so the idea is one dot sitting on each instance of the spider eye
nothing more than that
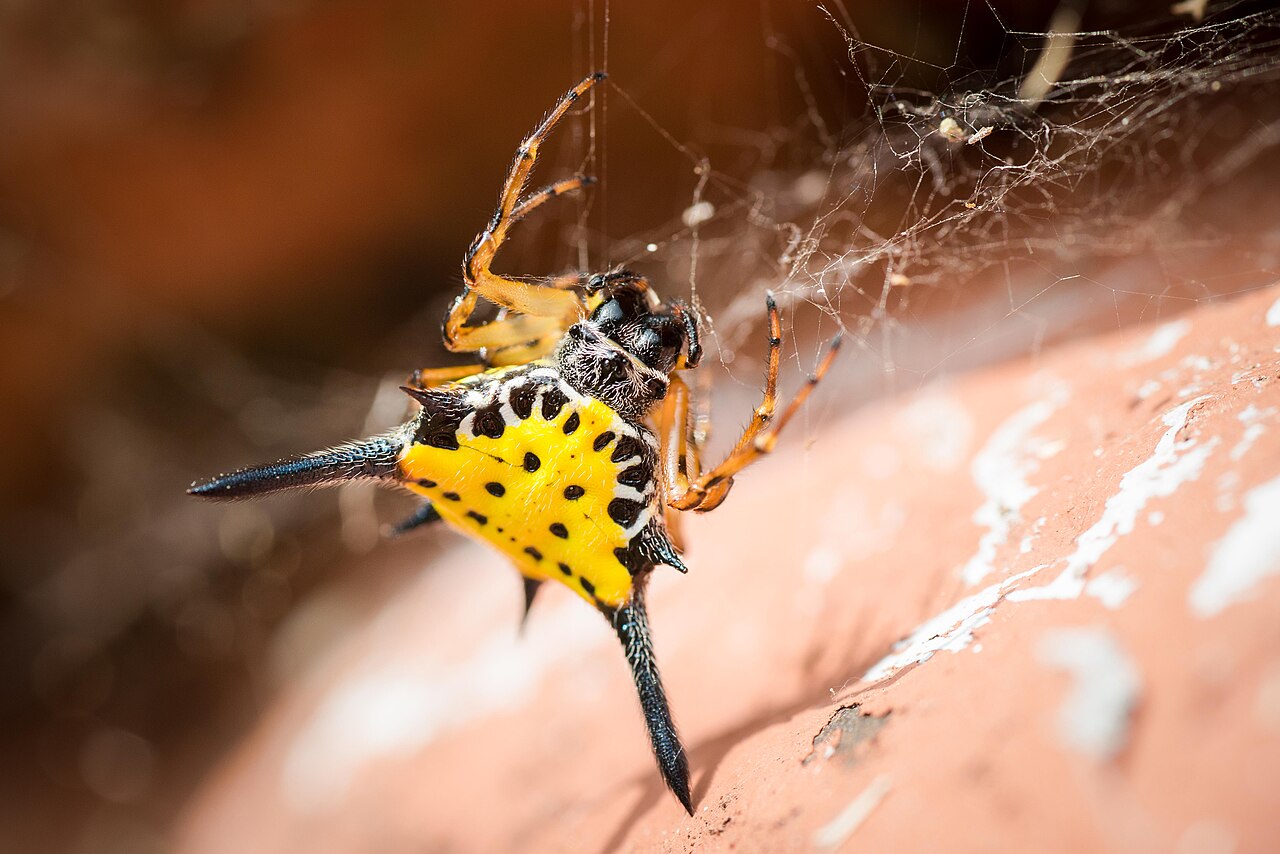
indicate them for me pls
(609, 312)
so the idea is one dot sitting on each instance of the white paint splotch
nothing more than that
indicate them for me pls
(1001, 471)
(1248, 553)
(1097, 712)
(1171, 464)
(951, 630)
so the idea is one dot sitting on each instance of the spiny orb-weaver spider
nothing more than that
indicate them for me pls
(568, 444)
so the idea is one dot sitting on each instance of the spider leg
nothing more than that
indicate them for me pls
(511, 331)
(561, 307)
(531, 201)
(706, 491)
(431, 377)
(677, 453)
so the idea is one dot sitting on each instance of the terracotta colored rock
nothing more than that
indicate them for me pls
(1035, 609)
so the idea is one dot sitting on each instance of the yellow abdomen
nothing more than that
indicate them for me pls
(553, 479)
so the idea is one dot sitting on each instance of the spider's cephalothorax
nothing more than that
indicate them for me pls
(568, 446)
(624, 353)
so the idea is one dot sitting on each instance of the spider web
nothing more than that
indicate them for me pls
(1002, 208)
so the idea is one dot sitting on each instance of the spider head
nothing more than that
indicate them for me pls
(630, 314)
(626, 349)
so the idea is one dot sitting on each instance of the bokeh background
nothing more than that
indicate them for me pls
(229, 228)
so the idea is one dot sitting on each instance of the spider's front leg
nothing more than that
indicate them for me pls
(543, 313)
(689, 490)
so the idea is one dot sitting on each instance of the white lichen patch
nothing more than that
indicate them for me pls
(395, 703)
(1248, 553)
(1095, 717)
(1160, 343)
(1001, 471)
(1171, 464)
(849, 819)
(1273, 313)
(1255, 421)
(1112, 588)
(939, 429)
(854, 528)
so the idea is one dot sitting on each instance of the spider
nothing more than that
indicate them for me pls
(568, 443)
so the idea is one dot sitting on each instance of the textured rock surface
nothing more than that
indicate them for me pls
(1050, 590)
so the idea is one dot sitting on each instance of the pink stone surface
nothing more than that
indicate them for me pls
(1057, 582)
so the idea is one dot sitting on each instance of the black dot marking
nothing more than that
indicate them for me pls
(571, 423)
(500, 530)
(635, 476)
(628, 447)
(564, 567)
(533, 553)
(624, 511)
(553, 400)
(495, 489)
(521, 399)
(452, 496)
(480, 518)
(559, 530)
(489, 423)
(425, 484)
(588, 586)
(531, 462)
(603, 440)
(573, 492)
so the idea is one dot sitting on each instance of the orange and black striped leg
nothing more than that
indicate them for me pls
(432, 377)
(520, 330)
(707, 491)
(560, 188)
(563, 306)
(677, 453)
(524, 350)
(631, 623)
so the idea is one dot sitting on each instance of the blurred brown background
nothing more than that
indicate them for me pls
(228, 228)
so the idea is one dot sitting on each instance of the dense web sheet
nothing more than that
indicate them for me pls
(1077, 177)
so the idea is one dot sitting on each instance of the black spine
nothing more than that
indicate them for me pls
(426, 514)
(370, 459)
(631, 622)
